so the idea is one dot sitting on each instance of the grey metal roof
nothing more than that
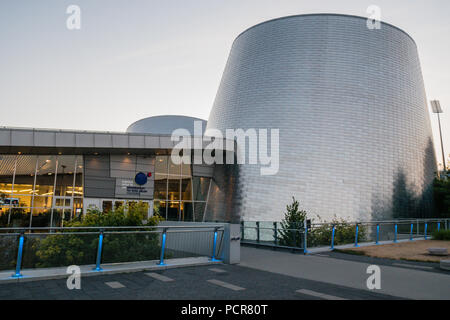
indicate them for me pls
(165, 124)
(31, 140)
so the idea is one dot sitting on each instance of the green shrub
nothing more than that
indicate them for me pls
(292, 226)
(344, 233)
(441, 235)
(63, 250)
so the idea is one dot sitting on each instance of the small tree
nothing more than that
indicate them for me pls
(292, 226)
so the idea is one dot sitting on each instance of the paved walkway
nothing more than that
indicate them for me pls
(399, 281)
(224, 282)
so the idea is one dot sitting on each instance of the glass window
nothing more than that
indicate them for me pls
(7, 163)
(186, 189)
(24, 178)
(77, 207)
(41, 217)
(160, 187)
(20, 217)
(185, 169)
(161, 165)
(65, 175)
(118, 204)
(79, 177)
(201, 186)
(174, 189)
(24, 201)
(173, 211)
(106, 205)
(187, 211)
(199, 209)
(45, 177)
(174, 169)
(159, 208)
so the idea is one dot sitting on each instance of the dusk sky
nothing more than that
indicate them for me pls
(134, 59)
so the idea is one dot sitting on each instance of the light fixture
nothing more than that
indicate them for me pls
(436, 107)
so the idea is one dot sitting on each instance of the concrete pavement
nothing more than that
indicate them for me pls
(397, 281)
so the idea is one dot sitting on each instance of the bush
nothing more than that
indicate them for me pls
(441, 235)
(344, 233)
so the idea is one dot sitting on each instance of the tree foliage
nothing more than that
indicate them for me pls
(292, 226)
(441, 188)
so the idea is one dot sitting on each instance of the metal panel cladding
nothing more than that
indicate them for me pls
(350, 104)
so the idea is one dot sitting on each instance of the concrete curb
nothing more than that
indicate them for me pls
(108, 269)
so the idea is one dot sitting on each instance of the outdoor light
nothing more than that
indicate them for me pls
(436, 107)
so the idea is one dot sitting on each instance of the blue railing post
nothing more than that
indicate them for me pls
(215, 246)
(305, 240)
(425, 233)
(163, 246)
(378, 234)
(439, 226)
(411, 232)
(356, 235)
(99, 252)
(395, 233)
(19, 256)
(332, 237)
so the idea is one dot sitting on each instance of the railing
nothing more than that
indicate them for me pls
(312, 235)
(63, 246)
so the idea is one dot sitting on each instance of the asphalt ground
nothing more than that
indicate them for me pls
(218, 282)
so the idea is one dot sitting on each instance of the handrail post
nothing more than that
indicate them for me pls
(411, 232)
(257, 231)
(395, 233)
(99, 252)
(275, 233)
(439, 226)
(305, 243)
(425, 233)
(356, 235)
(163, 246)
(19, 256)
(378, 234)
(242, 229)
(333, 231)
(214, 246)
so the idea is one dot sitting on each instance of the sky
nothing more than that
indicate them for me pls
(133, 59)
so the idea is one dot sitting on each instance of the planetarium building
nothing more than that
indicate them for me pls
(348, 102)
(355, 139)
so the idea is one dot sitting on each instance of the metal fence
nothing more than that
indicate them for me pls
(62, 246)
(312, 235)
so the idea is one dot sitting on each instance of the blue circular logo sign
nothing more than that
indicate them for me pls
(140, 178)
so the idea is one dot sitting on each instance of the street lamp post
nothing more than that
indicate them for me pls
(436, 107)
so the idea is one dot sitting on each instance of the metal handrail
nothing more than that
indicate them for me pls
(304, 228)
(101, 231)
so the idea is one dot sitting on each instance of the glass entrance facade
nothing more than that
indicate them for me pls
(40, 190)
(47, 190)
(179, 196)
